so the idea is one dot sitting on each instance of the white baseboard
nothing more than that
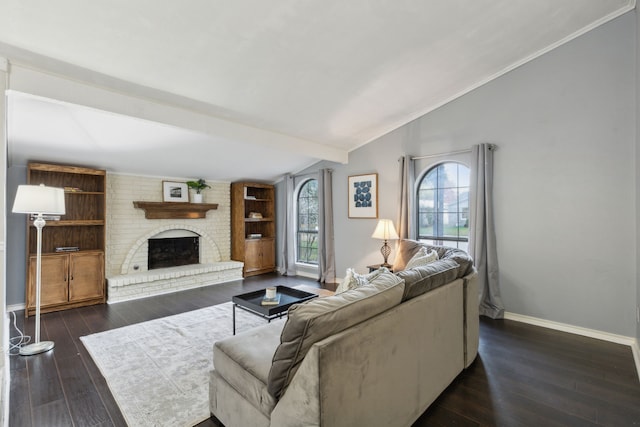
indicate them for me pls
(6, 371)
(578, 330)
(635, 349)
(15, 307)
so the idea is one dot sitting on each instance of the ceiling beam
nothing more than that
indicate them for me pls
(45, 77)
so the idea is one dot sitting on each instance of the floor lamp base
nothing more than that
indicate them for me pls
(36, 348)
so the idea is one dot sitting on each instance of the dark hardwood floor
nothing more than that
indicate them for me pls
(524, 375)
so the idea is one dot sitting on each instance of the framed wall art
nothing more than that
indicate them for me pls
(175, 191)
(363, 196)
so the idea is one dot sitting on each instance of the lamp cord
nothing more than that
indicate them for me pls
(18, 341)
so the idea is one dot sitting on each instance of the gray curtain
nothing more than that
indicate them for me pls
(326, 247)
(288, 234)
(406, 212)
(482, 241)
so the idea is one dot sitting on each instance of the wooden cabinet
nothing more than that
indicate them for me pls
(259, 256)
(253, 227)
(70, 278)
(74, 278)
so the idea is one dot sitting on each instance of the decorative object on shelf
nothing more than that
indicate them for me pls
(67, 249)
(363, 196)
(255, 215)
(385, 231)
(255, 236)
(40, 200)
(175, 191)
(198, 185)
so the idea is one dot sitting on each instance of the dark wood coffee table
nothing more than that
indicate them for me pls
(251, 302)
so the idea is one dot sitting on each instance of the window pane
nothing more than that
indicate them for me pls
(449, 173)
(426, 199)
(463, 199)
(463, 225)
(430, 181)
(464, 176)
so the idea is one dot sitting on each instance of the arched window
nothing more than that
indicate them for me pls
(443, 205)
(307, 223)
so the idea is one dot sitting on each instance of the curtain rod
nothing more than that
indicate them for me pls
(302, 175)
(450, 153)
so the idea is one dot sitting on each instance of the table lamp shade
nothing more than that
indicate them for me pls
(39, 199)
(385, 230)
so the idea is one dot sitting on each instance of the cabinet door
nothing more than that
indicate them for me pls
(86, 276)
(268, 250)
(252, 255)
(53, 286)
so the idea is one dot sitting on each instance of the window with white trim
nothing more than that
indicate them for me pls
(307, 223)
(443, 205)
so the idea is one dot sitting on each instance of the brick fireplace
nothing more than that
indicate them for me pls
(129, 232)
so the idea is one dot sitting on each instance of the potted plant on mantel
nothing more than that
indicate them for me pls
(198, 185)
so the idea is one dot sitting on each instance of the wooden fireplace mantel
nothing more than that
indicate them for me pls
(174, 210)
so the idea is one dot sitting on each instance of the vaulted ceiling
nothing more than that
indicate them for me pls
(327, 75)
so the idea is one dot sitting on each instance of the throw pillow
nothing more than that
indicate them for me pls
(405, 250)
(423, 257)
(353, 280)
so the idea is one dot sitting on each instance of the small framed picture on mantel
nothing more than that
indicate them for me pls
(363, 196)
(175, 192)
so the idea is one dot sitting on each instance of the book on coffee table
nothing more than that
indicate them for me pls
(271, 301)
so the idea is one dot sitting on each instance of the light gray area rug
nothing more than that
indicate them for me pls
(158, 371)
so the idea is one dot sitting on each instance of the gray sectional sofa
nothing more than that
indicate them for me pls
(377, 355)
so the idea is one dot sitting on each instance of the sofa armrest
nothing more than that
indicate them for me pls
(300, 405)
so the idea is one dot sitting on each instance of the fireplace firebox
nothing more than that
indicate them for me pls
(173, 252)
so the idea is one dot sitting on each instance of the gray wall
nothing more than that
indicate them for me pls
(564, 179)
(15, 238)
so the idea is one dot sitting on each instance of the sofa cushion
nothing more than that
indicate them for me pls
(319, 318)
(463, 259)
(423, 257)
(419, 280)
(407, 249)
(244, 361)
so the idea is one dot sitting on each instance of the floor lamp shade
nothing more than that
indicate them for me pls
(40, 200)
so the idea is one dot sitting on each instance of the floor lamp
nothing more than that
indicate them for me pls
(39, 200)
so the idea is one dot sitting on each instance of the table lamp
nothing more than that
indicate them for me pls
(385, 231)
(39, 200)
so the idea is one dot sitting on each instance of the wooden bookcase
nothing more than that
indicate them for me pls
(253, 227)
(69, 279)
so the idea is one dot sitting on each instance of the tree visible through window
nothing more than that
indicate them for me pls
(443, 205)
(307, 224)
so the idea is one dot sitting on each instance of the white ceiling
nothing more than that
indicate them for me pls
(332, 73)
